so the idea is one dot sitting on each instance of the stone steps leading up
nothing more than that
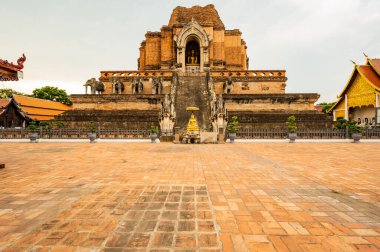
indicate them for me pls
(192, 91)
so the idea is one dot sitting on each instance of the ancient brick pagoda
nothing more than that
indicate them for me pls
(192, 61)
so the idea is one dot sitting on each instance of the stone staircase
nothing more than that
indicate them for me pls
(192, 91)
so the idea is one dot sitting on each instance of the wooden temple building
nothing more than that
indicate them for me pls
(193, 61)
(360, 98)
(9, 72)
(19, 110)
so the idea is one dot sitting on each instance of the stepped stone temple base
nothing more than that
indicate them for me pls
(194, 61)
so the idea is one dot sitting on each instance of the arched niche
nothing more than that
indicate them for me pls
(190, 34)
(192, 53)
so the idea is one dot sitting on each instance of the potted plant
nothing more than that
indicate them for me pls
(153, 133)
(33, 135)
(292, 128)
(356, 131)
(92, 134)
(232, 128)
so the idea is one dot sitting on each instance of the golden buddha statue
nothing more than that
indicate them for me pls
(192, 59)
(192, 125)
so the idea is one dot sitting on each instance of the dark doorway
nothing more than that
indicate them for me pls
(192, 53)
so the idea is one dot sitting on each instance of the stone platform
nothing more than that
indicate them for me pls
(113, 111)
(272, 110)
(165, 197)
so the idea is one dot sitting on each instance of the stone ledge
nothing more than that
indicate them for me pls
(82, 98)
(289, 97)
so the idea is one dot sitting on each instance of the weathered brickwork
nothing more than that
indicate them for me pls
(227, 49)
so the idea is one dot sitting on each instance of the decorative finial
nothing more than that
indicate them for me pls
(365, 55)
(192, 19)
(353, 62)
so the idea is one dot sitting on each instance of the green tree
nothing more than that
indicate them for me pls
(326, 106)
(52, 94)
(8, 92)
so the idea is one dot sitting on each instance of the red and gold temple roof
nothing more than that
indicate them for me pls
(10, 71)
(370, 72)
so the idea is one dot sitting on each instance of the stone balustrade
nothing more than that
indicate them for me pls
(249, 73)
(214, 73)
(126, 74)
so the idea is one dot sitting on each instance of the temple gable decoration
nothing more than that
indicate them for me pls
(10, 71)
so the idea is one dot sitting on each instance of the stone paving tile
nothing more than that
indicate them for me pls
(165, 197)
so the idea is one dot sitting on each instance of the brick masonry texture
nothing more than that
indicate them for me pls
(165, 197)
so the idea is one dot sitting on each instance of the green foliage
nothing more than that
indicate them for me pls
(45, 125)
(91, 127)
(291, 124)
(8, 92)
(326, 106)
(50, 124)
(153, 129)
(354, 128)
(52, 94)
(233, 125)
(33, 126)
(352, 125)
(341, 123)
(59, 124)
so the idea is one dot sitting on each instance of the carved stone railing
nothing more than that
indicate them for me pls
(192, 69)
(249, 73)
(126, 74)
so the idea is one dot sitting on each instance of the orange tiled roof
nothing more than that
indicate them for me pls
(375, 63)
(3, 104)
(369, 73)
(40, 109)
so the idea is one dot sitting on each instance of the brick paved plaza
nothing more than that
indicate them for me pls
(166, 197)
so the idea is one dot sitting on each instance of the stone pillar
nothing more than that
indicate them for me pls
(221, 136)
(176, 135)
(152, 50)
(377, 104)
(166, 47)
(181, 57)
(142, 56)
(202, 58)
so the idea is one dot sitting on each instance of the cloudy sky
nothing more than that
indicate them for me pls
(68, 42)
